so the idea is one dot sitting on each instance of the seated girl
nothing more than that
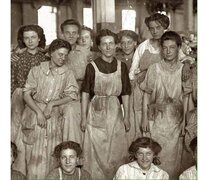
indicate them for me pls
(68, 154)
(144, 152)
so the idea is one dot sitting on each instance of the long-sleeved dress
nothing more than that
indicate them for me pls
(165, 110)
(105, 143)
(35, 143)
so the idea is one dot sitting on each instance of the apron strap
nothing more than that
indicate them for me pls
(95, 67)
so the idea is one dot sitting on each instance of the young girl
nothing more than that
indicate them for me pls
(48, 86)
(144, 152)
(68, 154)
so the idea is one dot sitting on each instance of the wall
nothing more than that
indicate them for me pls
(16, 20)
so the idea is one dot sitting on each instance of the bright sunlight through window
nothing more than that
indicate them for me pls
(88, 17)
(128, 20)
(47, 20)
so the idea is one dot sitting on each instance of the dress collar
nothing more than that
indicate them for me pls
(134, 164)
(45, 66)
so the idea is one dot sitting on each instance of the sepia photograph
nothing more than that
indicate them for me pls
(103, 89)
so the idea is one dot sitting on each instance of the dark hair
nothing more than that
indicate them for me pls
(106, 32)
(193, 144)
(171, 35)
(70, 22)
(145, 142)
(32, 27)
(128, 33)
(14, 150)
(57, 44)
(88, 29)
(161, 18)
(67, 145)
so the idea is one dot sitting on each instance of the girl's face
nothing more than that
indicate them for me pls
(156, 29)
(31, 39)
(85, 39)
(58, 57)
(144, 158)
(128, 45)
(68, 160)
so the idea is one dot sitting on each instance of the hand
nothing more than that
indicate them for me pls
(188, 59)
(41, 120)
(145, 126)
(14, 57)
(48, 110)
(127, 125)
(83, 124)
(186, 72)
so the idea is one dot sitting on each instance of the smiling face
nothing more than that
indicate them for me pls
(68, 160)
(58, 57)
(170, 50)
(107, 46)
(31, 39)
(156, 29)
(128, 45)
(85, 39)
(70, 33)
(144, 158)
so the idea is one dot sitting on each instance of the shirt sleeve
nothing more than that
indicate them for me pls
(14, 71)
(165, 176)
(149, 82)
(126, 86)
(31, 82)
(72, 89)
(135, 60)
(120, 174)
(89, 80)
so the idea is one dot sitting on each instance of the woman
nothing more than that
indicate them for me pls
(165, 103)
(68, 154)
(144, 152)
(148, 53)
(191, 173)
(86, 41)
(31, 41)
(49, 86)
(128, 43)
(105, 143)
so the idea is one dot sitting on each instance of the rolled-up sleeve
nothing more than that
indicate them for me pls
(72, 89)
(31, 82)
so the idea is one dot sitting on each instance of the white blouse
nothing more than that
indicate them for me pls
(133, 171)
(190, 173)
